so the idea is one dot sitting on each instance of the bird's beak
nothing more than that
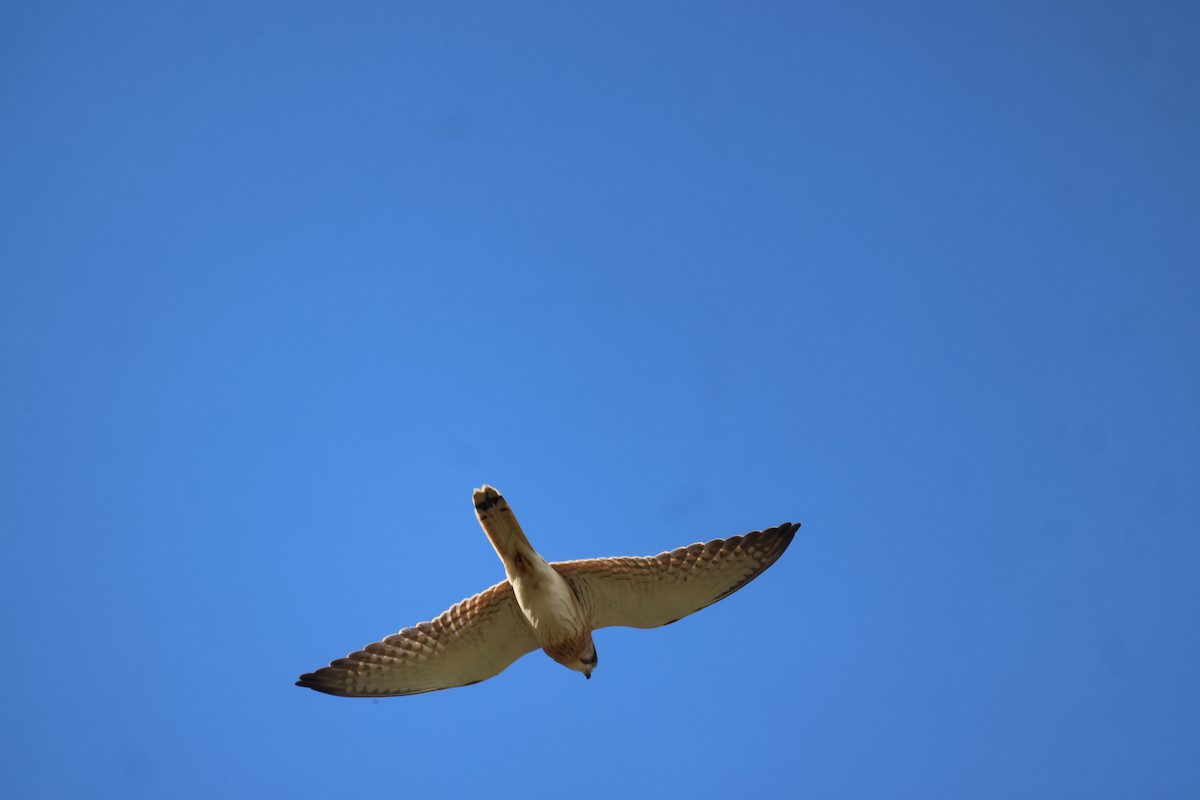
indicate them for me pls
(587, 675)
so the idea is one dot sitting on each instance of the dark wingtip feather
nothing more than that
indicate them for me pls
(323, 683)
(326, 689)
(786, 531)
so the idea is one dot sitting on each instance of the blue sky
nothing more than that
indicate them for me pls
(280, 284)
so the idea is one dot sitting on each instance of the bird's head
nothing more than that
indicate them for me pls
(587, 662)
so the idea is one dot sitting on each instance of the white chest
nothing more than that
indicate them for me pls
(548, 603)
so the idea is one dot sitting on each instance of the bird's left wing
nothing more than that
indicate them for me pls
(472, 641)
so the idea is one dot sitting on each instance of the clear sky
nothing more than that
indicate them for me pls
(281, 283)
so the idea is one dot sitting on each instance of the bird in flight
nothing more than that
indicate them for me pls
(552, 606)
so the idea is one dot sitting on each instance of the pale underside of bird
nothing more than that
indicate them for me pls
(552, 606)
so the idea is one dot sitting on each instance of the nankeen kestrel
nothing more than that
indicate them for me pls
(552, 606)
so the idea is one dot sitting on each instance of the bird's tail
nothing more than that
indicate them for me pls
(502, 528)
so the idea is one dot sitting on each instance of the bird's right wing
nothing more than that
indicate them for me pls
(657, 590)
(472, 641)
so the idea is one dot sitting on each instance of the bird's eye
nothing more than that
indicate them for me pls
(592, 660)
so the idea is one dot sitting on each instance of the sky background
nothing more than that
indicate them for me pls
(281, 283)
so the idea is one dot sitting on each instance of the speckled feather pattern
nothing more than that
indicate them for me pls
(658, 590)
(473, 640)
(482, 635)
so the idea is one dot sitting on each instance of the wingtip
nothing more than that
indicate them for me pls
(782, 534)
(787, 529)
(312, 681)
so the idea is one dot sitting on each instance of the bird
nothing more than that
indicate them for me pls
(551, 606)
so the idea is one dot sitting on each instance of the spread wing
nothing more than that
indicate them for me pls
(472, 641)
(657, 590)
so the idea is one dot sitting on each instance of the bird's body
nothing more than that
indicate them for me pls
(554, 607)
(559, 622)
